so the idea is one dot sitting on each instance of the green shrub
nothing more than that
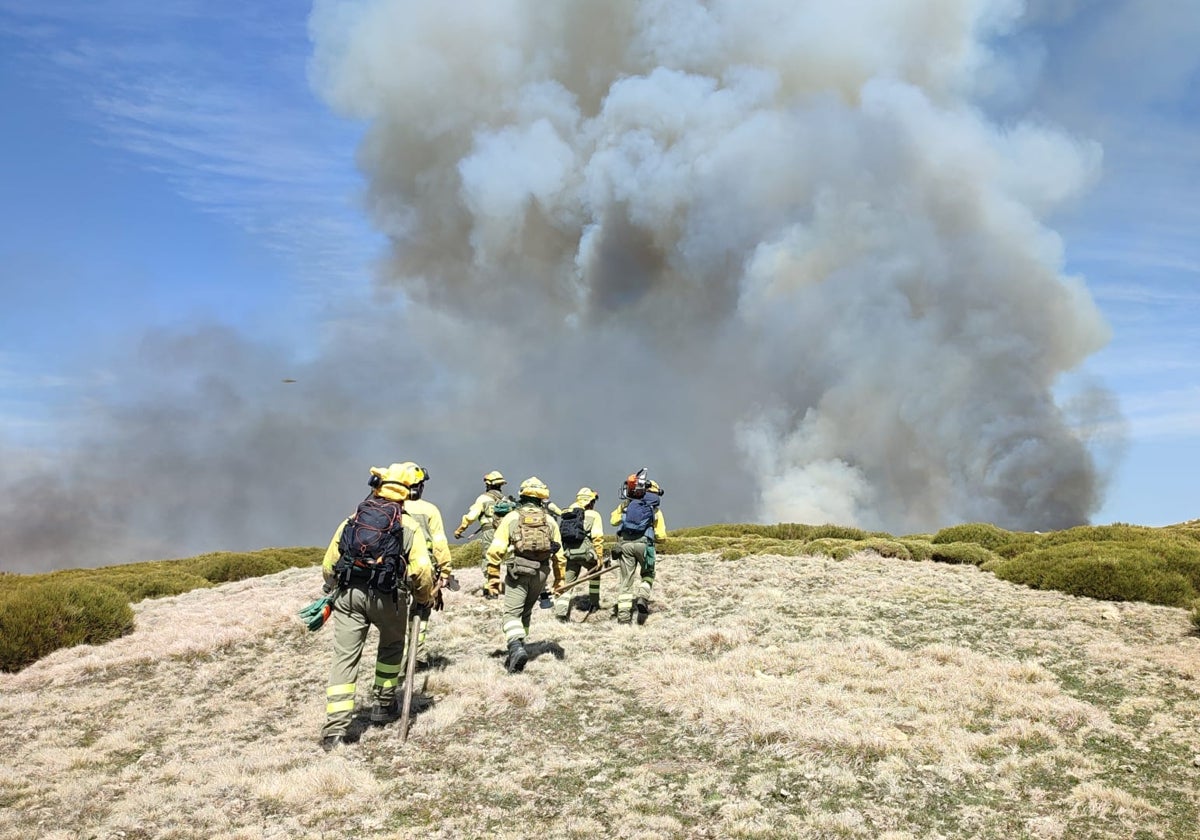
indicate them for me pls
(784, 531)
(155, 583)
(1196, 614)
(981, 533)
(961, 553)
(223, 566)
(885, 548)
(38, 619)
(918, 549)
(466, 555)
(1108, 570)
(733, 553)
(827, 546)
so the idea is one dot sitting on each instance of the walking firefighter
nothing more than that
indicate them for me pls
(429, 518)
(536, 545)
(639, 522)
(377, 560)
(582, 531)
(487, 509)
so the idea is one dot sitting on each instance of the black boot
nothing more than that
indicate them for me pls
(517, 657)
(384, 713)
(331, 742)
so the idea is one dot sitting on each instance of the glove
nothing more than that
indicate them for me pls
(458, 532)
(439, 603)
(316, 613)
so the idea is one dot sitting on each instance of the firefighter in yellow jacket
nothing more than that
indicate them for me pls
(482, 511)
(639, 523)
(376, 558)
(430, 519)
(533, 535)
(583, 548)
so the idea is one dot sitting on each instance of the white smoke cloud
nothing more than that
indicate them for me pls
(798, 208)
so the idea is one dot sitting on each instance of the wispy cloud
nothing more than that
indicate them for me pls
(216, 100)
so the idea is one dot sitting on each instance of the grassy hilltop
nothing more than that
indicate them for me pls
(791, 681)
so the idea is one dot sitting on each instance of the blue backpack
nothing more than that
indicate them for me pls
(639, 515)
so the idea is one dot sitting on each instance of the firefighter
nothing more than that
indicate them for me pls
(430, 519)
(536, 550)
(582, 530)
(376, 559)
(483, 511)
(639, 522)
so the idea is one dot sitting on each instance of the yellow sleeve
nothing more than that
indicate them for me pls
(660, 524)
(553, 508)
(615, 519)
(596, 527)
(441, 546)
(498, 550)
(559, 560)
(332, 554)
(474, 511)
(420, 568)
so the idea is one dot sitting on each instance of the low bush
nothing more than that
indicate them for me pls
(782, 531)
(961, 553)
(884, 548)
(223, 567)
(154, 583)
(466, 555)
(918, 549)
(38, 619)
(1110, 571)
(985, 534)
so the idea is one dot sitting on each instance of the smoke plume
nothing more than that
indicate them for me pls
(781, 244)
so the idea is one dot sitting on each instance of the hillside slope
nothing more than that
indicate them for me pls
(767, 697)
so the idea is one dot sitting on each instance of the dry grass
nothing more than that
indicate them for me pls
(765, 697)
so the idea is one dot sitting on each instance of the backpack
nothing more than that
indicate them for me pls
(571, 526)
(488, 514)
(531, 537)
(501, 509)
(372, 544)
(639, 515)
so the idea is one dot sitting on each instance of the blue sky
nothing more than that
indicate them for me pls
(166, 165)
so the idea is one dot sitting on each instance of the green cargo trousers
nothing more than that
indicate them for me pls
(355, 609)
(521, 592)
(485, 539)
(635, 582)
(578, 564)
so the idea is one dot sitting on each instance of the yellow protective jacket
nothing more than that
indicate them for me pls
(498, 550)
(430, 519)
(475, 511)
(594, 523)
(660, 524)
(418, 565)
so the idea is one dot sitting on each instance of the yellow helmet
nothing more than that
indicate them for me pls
(411, 473)
(415, 476)
(586, 496)
(494, 479)
(389, 483)
(535, 488)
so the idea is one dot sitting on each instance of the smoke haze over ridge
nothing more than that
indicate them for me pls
(799, 260)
